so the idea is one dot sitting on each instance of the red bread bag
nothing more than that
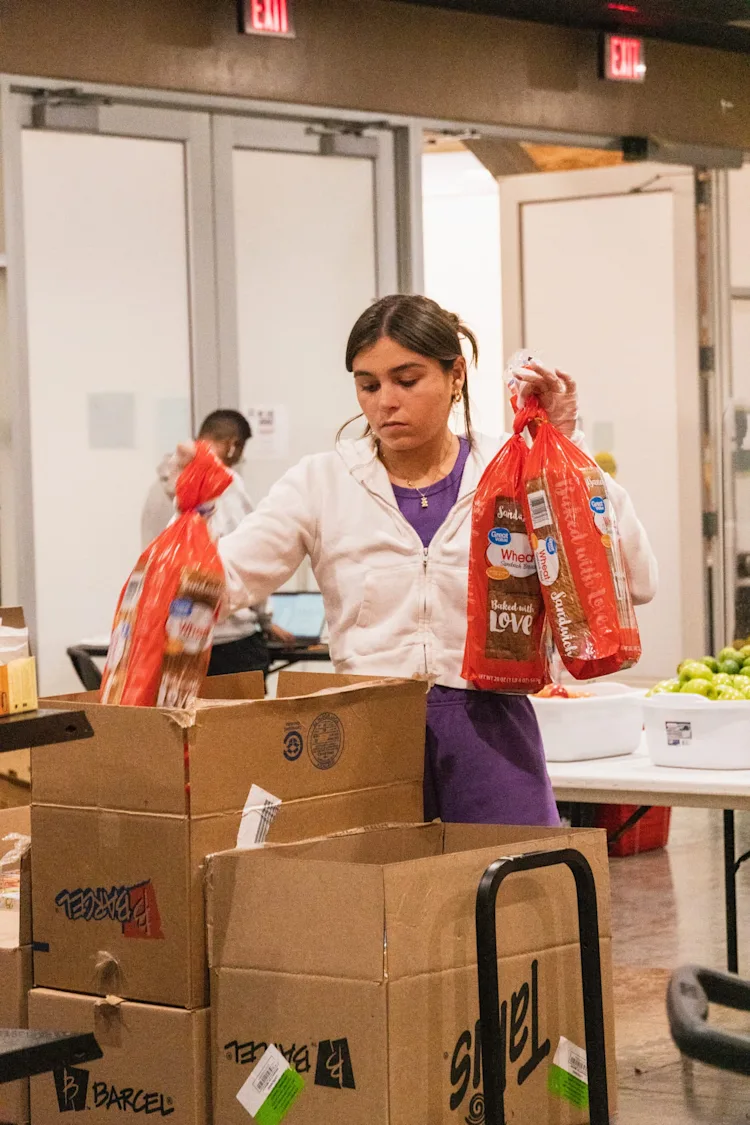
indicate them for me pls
(163, 627)
(504, 650)
(579, 559)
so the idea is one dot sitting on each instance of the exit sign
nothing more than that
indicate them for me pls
(623, 59)
(266, 17)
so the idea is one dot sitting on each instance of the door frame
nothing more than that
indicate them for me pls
(98, 118)
(614, 181)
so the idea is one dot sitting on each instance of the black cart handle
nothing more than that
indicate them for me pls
(689, 993)
(493, 1047)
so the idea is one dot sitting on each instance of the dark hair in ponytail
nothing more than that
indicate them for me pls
(422, 326)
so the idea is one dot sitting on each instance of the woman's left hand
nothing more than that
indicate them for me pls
(556, 392)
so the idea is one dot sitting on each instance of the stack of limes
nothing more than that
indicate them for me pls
(723, 677)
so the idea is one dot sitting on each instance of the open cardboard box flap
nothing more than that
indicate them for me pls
(417, 884)
(350, 735)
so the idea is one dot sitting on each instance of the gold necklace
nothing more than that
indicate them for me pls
(425, 503)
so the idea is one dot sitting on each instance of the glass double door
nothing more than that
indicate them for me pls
(162, 264)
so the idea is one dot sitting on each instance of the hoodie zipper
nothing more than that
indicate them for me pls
(394, 509)
(425, 553)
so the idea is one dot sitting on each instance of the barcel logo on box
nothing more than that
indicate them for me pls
(76, 1093)
(333, 1062)
(523, 1049)
(133, 907)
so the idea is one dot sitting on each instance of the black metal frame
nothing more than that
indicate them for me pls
(591, 976)
(688, 995)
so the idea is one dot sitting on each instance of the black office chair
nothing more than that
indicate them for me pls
(86, 668)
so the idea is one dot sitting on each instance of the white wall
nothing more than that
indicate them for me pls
(462, 266)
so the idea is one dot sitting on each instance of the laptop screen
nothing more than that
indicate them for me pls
(300, 614)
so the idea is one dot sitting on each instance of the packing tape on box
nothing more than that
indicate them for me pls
(108, 975)
(108, 1021)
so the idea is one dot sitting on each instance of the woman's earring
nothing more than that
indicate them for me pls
(457, 397)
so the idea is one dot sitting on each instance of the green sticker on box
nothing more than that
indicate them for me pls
(567, 1087)
(272, 1088)
(568, 1075)
(281, 1099)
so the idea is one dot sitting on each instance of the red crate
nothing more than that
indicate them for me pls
(651, 831)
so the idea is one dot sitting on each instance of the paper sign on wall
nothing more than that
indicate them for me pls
(270, 426)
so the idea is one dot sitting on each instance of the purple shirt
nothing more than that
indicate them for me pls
(440, 496)
(484, 761)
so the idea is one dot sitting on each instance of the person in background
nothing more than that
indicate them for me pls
(386, 521)
(240, 642)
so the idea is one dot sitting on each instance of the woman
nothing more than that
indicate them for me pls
(386, 522)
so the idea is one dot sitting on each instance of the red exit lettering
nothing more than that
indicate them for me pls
(624, 59)
(266, 17)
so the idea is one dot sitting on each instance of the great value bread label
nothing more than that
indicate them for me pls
(513, 601)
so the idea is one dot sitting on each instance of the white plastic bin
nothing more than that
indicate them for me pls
(697, 733)
(608, 724)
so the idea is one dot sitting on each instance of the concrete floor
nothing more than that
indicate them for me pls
(668, 909)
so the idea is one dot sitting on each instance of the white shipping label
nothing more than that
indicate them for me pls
(262, 1080)
(572, 1059)
(257, 817)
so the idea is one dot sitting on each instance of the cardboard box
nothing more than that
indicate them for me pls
(18, 690)
(15, 983)
(155, 1061)
(15, 955)
(356, 957)
(122, 822)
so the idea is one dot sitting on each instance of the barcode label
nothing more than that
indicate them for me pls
(621, 589)
(133, 589)
(269, 1070)
(265, 820)
(257, 817)
(539, 508)
(261, 1082)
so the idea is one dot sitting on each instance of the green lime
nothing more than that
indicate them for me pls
(729, 654)
(700, 687)
(730, 667)
(694, 670)
(664, 688)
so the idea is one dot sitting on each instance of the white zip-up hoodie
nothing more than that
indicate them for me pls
(393, 608)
